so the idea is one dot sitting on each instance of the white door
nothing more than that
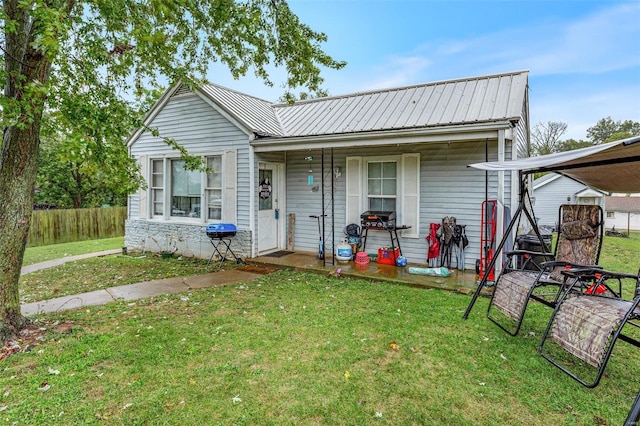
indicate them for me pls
(269, 222)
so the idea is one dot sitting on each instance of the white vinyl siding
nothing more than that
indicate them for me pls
(205, 132)
(142, 192)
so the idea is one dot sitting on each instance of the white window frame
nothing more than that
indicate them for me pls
(167, 192)
(365, 178)
(407, 193)
(155, 189)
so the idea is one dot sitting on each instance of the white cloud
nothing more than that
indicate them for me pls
(600, 42)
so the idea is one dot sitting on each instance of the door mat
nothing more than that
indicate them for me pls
(280, 253)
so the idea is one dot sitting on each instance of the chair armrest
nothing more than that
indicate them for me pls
(532, 253)
(573, 266)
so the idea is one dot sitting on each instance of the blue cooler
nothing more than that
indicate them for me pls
(221, 230)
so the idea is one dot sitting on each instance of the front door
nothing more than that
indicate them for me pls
(269, 186)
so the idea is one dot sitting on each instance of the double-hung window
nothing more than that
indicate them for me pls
(382, 185)
(390, 183)
(176, 192)
(214, 188)
(157, 192)
(186, 192)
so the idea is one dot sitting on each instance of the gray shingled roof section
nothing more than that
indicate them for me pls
(622, 204)
(256, 114)
(463, 101)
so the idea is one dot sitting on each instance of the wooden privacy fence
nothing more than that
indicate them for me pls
(67, 225)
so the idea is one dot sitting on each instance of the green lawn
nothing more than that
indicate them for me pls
(298, 348)
(43, 253)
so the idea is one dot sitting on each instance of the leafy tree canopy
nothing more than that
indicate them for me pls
(83, 60)
(608, 130)
(545, 137)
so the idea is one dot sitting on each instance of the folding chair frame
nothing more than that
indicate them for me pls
(576, 293)
(533, 280)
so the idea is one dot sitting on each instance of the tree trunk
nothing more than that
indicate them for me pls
(18, 168)
(27, 69)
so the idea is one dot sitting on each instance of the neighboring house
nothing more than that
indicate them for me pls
(403, 149)
(552, 190)
(623, 213)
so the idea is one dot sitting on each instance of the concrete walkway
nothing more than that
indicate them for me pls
(131, 291)
(57, 262)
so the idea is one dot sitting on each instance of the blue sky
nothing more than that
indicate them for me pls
(583, 57)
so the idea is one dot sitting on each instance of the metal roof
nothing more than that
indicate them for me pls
(453, 102)
(474, 100)
(254, 113)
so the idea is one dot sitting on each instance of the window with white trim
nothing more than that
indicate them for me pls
(186, 192)
(382, 185)
(213, 188)
(157, 183)
(178, 193)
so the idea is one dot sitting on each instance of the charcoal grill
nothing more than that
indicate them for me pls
(221, 235)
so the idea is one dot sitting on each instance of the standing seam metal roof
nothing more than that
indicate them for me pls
(463, 101)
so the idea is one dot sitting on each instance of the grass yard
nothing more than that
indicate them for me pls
(43, 253)
(104, 272)
(297, 348)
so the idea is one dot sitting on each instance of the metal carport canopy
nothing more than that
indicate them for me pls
(610, 167)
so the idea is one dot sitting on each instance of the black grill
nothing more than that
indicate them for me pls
(378, 220)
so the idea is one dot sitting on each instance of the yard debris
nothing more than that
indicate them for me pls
(54, 372)
(236, 399)
(394, 346)
(504, 358)
(335, 274)
(378, 415)
(347, 374)
(125, 406)
(44, 386)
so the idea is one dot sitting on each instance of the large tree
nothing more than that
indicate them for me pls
(85, 58)
(546, 137)
(608, 130)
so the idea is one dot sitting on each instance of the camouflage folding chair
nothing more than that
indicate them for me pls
(578, 244)
(586, 324)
